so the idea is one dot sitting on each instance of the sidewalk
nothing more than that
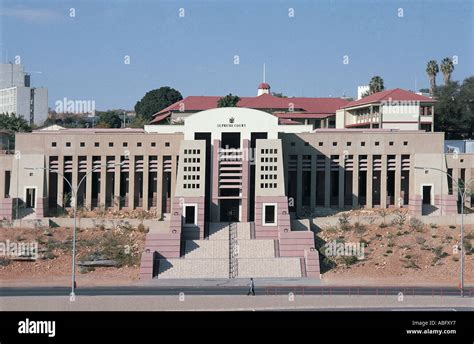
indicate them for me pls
(238, 282)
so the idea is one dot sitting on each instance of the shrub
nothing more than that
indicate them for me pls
(383, 225)
(452, 227)
(142, 228)
(360, 228)
(349, 260)
(469, 236)
(49, 255)
(330, 229)
(467, 246)
(411, 264)
(416, 224)
(420, 240)
(4, 261)
(399, 220)
(433, 225)
(344, 221)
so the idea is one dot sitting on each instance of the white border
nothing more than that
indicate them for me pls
(263, 214)
(195, 214)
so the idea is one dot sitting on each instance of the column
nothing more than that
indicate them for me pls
(75, 175)
(131, 182)
(299, 183)
(159, 187)
(60, 194)
(468, 176)
(313, 182)
(327, 182)
(341, 181)
(174, 175)
(146, 174)
(383, 182)
(398, 180)
(455, 181)
(88, 200)
(355, 182)
(103, 181)
(117, 182)
(370, 180)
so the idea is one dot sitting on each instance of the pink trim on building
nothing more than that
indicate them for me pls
(6, 208)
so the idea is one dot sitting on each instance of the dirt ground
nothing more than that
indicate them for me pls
(393, 256)
(399, 255)
(54, 264)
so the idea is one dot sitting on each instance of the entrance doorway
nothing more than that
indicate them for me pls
(426, 194)
(229, 210)
(230, 141)
(30, 197)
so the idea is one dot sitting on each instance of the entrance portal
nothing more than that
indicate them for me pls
(426, 194)
(229, 210)
(30, 197)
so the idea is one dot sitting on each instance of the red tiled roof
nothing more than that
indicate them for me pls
(288, 121)
(396, 94)
(323, 106)
(264, 86)
(302, 115)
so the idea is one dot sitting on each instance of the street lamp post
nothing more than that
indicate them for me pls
(462, 193)
(74, 191)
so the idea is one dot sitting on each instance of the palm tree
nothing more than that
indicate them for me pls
(447, 68)
(432, 69)
(376, 84)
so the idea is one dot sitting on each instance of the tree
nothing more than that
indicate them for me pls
(279, 95)
(110, 119)
(376, 85)
(156, 100)
(447, 68)
(454, 110)
(228, 101)
(432, 69)
(14, 123)
(466, 100)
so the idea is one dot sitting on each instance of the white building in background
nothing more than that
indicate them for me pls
(361, 90)
(17, 96)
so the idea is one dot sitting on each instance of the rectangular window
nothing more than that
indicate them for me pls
(189, 215)
(269, 215)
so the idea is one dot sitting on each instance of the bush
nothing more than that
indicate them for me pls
(411, 264)
(399, 220)
(433, 225)
(344, 221)
(420, 240)
(349, 260)
(467, 246)
(142, 228)
(416, 224)
(360, 228)
(330, 229)
(4, 261)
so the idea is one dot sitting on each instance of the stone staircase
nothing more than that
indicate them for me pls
(209, 258)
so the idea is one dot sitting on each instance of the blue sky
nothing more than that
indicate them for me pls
(82, 58)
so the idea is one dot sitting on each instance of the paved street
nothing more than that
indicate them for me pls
(229, 302)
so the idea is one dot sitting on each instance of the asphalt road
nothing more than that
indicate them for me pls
(234, 290)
